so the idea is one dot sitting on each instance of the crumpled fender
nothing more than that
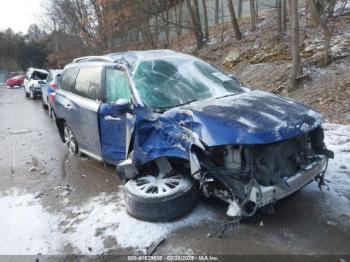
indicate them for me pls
(158, 135)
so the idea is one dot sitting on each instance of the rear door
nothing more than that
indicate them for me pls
(62, 102)
(116, 117)
(84, 108)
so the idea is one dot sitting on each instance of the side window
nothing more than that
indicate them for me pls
(68, 79)
(88, 83)
(117, 85)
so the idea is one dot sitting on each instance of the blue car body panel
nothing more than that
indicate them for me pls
(157, 135)
(248, 118)
(113, 133)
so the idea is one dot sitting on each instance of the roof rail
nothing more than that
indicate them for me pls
(93, 58)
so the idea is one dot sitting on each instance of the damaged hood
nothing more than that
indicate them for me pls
(248, 118)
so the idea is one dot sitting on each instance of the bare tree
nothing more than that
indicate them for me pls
(216, 12)
(279, 18)
(196, 22)
(206, 25)
(284, 15)
(296, 68)
(253, 14)
(234, 21)
(319, 11)
(239, 8)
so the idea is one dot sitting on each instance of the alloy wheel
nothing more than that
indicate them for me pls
(70, 140)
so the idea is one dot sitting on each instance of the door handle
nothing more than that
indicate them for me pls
(67, 106)
(112, 118)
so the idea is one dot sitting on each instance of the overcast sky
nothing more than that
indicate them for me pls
(19, 14)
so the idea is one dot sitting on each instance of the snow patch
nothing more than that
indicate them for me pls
(337, 198)
(246, 122)
(28, 228)
(274, 118)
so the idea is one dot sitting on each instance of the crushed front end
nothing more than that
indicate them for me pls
(248, 177)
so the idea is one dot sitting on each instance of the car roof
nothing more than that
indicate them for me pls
(56, 71)
(131, 58)
(31, 70)
(18, 76)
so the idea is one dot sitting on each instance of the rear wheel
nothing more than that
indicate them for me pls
(70, 141)
(32, 94)
(43, 104)
(156, 197)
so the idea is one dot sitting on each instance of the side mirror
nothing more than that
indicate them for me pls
(122, 102)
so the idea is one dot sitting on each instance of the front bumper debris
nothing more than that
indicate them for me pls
(270, 194)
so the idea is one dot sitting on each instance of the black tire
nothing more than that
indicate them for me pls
(32, 94)
(43, 104)
(160, 208)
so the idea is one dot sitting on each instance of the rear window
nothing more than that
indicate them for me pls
(68, 79)
(38, 75)
(88, 83)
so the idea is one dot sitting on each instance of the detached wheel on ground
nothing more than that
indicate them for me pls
(70, 141)
(155, 197)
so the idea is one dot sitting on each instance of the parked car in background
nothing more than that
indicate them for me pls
(15, 81)
(48, 90)
(34, 80)
(175, 126)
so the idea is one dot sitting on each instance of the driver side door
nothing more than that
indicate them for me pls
(116, 117)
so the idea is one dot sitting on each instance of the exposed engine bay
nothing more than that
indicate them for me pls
(237, 174)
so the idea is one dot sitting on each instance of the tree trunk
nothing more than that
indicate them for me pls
(234, 21)
(222, 21)
(319, 13)
(279, 18)
(166, 28)
(216, 12)
(179, 22)
(239, 8)
(252, 15)
(284, 15)
(206, 25)
(295, 45)
(196, 23)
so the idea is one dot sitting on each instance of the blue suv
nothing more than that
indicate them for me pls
(176, 126)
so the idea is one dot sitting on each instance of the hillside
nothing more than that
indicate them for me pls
(262, 61)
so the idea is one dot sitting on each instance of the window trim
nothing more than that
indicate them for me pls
(62, 74)
(101, 83)
(120, 68)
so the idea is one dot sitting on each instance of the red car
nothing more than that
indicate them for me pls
(15, 81)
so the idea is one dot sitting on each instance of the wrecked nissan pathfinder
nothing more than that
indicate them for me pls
(176, 126)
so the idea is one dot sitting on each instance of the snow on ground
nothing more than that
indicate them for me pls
(25, 226)
(28, 228)
(338, 196)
